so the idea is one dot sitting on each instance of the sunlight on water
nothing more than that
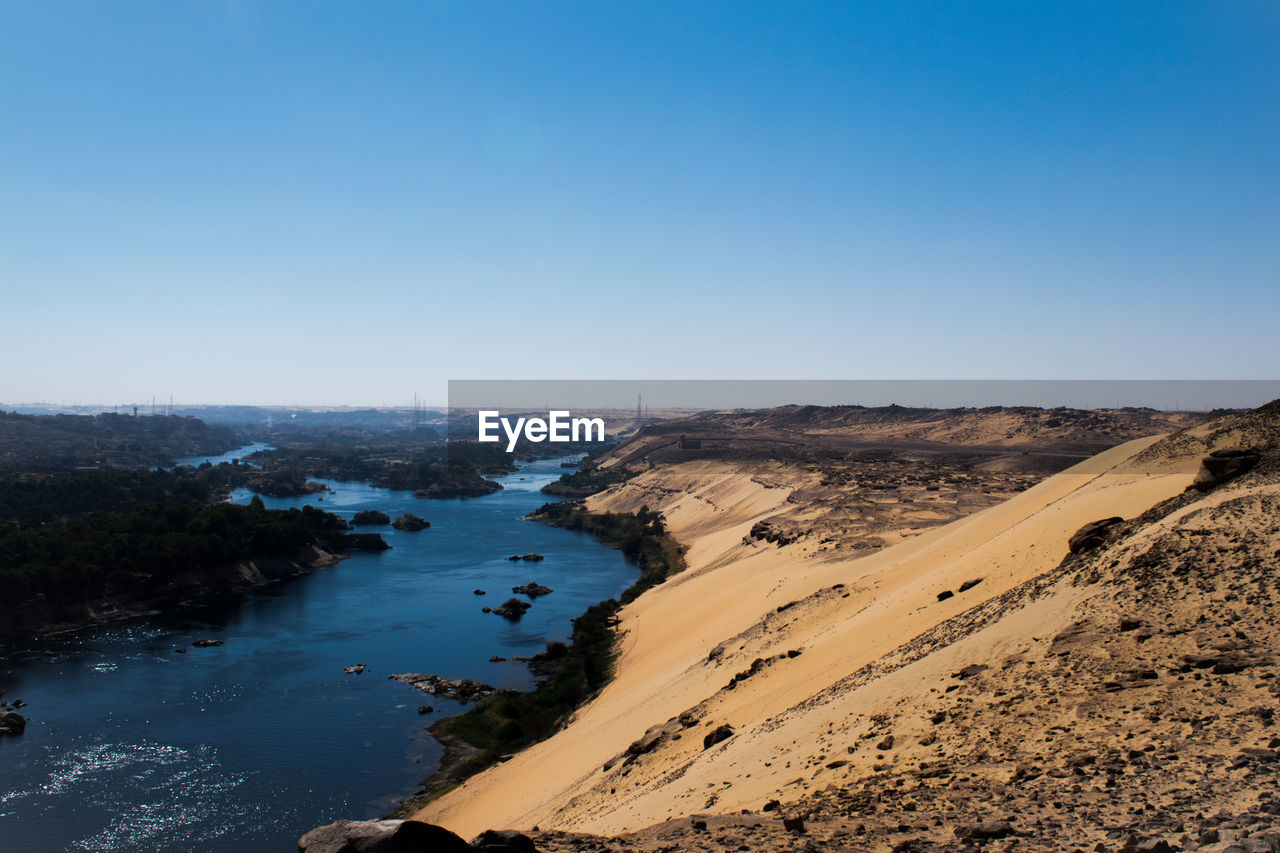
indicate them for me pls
(153, 795)
(133, 746)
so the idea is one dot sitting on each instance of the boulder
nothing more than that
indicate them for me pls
(381, 836)
(12, 723)
(721, 733)
(1223, 465)
(503, 841)
(1091, 535)
(354, 669)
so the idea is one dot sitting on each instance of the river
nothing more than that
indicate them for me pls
(243, 747)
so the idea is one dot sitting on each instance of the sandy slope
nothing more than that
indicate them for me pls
(855, 622)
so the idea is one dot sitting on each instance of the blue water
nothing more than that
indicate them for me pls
(243, 747)
(230, 456)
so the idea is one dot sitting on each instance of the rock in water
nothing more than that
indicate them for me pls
(12, 723)
(410, 522)
(381, 836)
(205, 643)
(371, 516)
(459, 689)
(512, 608)
(533, 589)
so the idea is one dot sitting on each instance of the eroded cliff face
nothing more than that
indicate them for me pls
(888, 701)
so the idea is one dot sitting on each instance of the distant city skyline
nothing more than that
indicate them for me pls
(271, 204)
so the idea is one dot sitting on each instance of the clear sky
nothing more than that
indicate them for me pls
(349, 202)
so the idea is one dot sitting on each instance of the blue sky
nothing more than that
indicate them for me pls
(340, 202)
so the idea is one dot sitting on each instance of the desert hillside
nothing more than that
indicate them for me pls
(974, 681)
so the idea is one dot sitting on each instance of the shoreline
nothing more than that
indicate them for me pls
(594, 641)
(195, 588)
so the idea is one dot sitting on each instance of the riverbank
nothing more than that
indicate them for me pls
(41, 619)
(500, 725)
(249, 744)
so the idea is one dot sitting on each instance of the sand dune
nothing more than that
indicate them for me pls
(871, 633)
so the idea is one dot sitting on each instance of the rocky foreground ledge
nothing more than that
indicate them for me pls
(407, 836)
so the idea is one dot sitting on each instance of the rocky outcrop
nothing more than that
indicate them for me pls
(411, 523)
(1092, 535)
(718, 735)
(458, 689)
(533, 589)
(531, 557)
(763, 531)
(371, 516)
(503, 841)
(407, 836)
(1223, 465)
(381, 836)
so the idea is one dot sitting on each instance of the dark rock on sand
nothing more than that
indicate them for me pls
(722, 733)
(503, 841)
(381, 836)
(1091, 535)
(1223, 465)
